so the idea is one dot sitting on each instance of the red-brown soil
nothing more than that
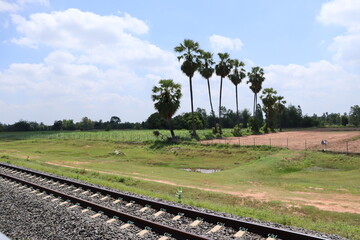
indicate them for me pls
(337, 141)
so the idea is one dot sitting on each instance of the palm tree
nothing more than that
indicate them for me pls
(222, 69)
(256, 78)
(280, 108)
(190, 54)
(206, 70)
(167, 100)
(271, 106)
(237, 75)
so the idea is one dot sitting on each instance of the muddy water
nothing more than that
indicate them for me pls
(201, 170)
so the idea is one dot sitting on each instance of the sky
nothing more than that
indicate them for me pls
(65, 59)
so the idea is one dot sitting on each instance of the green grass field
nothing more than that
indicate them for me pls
(260, 182)
(121, 135)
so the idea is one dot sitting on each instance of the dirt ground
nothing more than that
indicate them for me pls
(337, 141)
(329, 202)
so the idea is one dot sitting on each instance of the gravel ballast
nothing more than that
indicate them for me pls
(25, 215)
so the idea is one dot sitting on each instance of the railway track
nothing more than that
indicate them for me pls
(169, 221)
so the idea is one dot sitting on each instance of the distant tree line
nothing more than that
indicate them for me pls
(290, 117)
(85, 124)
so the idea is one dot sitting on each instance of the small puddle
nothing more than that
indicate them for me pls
(201, 170)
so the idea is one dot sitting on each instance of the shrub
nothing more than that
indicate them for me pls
(237, 130)
(217, 130)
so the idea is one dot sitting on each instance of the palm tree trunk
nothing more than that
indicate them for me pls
(237, 106)
(192, 110)
(220, 101)
(211, 105)
(171, 128)
(254, 105)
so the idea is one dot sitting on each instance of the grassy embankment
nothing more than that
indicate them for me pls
(273, 176)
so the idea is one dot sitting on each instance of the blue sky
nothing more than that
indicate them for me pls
(70, 59)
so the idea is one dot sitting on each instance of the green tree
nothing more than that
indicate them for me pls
(115, 122)
(280, 108)
(292, 117)
(58, 125)
(155, 121)
(237, 74)
(198, 120)
(190, 55)
(245, 116)
(21, 126)
(68, 124)
(256, 78)
(256, 121)
(344, 119)
(85, 124)
(222, 69)
(354, 116)
(206, 70)
(270, 101)
(167, 100)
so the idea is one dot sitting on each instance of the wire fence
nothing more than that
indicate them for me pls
(342, 146)
(333, 144)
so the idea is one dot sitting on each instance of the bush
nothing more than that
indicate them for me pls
(254, 124)
(217, 130)
(209, 136)
(237, 130)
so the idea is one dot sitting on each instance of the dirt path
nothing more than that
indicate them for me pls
(324, 201)
(338, 141)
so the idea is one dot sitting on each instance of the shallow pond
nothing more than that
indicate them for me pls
(201, 170)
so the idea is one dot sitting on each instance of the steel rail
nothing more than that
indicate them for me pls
(259, 229)
(156, 227)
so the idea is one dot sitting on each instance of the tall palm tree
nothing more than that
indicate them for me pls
(189, 51)
(206, 70)
(167, 100)
(222, 69)
(238, 73)
(280, 108)
(256, 78)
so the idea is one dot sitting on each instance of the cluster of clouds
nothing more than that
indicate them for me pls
(99, 66)
(345, 13)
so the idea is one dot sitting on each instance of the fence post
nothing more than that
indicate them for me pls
(254, 141)
(347, 147)
(239, 142)
(305, 145)
(287, 142)
(270, 142)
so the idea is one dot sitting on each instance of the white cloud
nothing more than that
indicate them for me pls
(344, 13)
(97, 66)
(347, 48)
(14, 6)
(109, 40)
(60, 87)
(74, 29)
(317, 85)
(6, 6)
(341, 12)
(219, 43)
